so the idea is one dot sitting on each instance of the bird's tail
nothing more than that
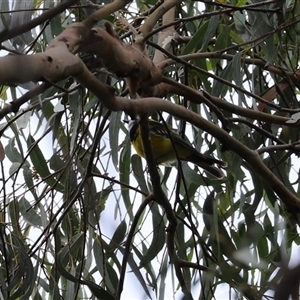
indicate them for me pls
(207, 163)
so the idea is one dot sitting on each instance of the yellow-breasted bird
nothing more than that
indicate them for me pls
(162, 141)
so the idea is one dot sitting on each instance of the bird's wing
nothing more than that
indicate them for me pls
(160, 129)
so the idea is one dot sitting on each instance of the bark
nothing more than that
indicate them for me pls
(60, 61)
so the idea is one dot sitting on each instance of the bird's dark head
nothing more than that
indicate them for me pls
(132, 127)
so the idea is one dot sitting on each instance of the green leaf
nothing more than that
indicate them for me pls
(70, 284)
(241, 3)
(12, 152)
(23, 279)
(136, 270)
(138, 172)
(197, 40)
(118, 236)
(37, 296)
(14, 168)
(159, 237)
(28, 177)
(210, 32)
(219, 89)
(108, 273)
(56, 163)
(163, 277)
(239, 21)
(62, 260)
(76, 108)
(114, 130)
(15, 217)
(37, 158)
(222, 43)
(263, 249)
(124, 169)
(43, 284)
(98, 204)
(40, 165)
(28, 213)
(236, 65)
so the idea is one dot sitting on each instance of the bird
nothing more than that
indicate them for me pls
(164, 141)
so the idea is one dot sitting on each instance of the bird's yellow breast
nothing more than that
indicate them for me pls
(162, 148)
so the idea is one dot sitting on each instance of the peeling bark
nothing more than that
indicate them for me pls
(122, 59)
(59, 61)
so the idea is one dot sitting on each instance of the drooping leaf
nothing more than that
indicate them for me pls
(40, 164)
(210, 32)
(159, 237)
(118, 236)
(12, 152)
(28, 213)
(97, 291)
(108, 273)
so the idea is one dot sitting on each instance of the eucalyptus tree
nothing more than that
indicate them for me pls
(81, 213)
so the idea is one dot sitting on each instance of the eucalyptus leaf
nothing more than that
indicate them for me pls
(28, 213)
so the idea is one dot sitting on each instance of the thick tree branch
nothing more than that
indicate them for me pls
(104, 11)
(169, 86)
(122, 59)
(165, 37)
(55, 64)
(58, 61)
(151, 21)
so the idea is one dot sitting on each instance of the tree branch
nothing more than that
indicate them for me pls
(45, 16)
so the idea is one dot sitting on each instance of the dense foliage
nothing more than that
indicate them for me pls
(82, 216)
